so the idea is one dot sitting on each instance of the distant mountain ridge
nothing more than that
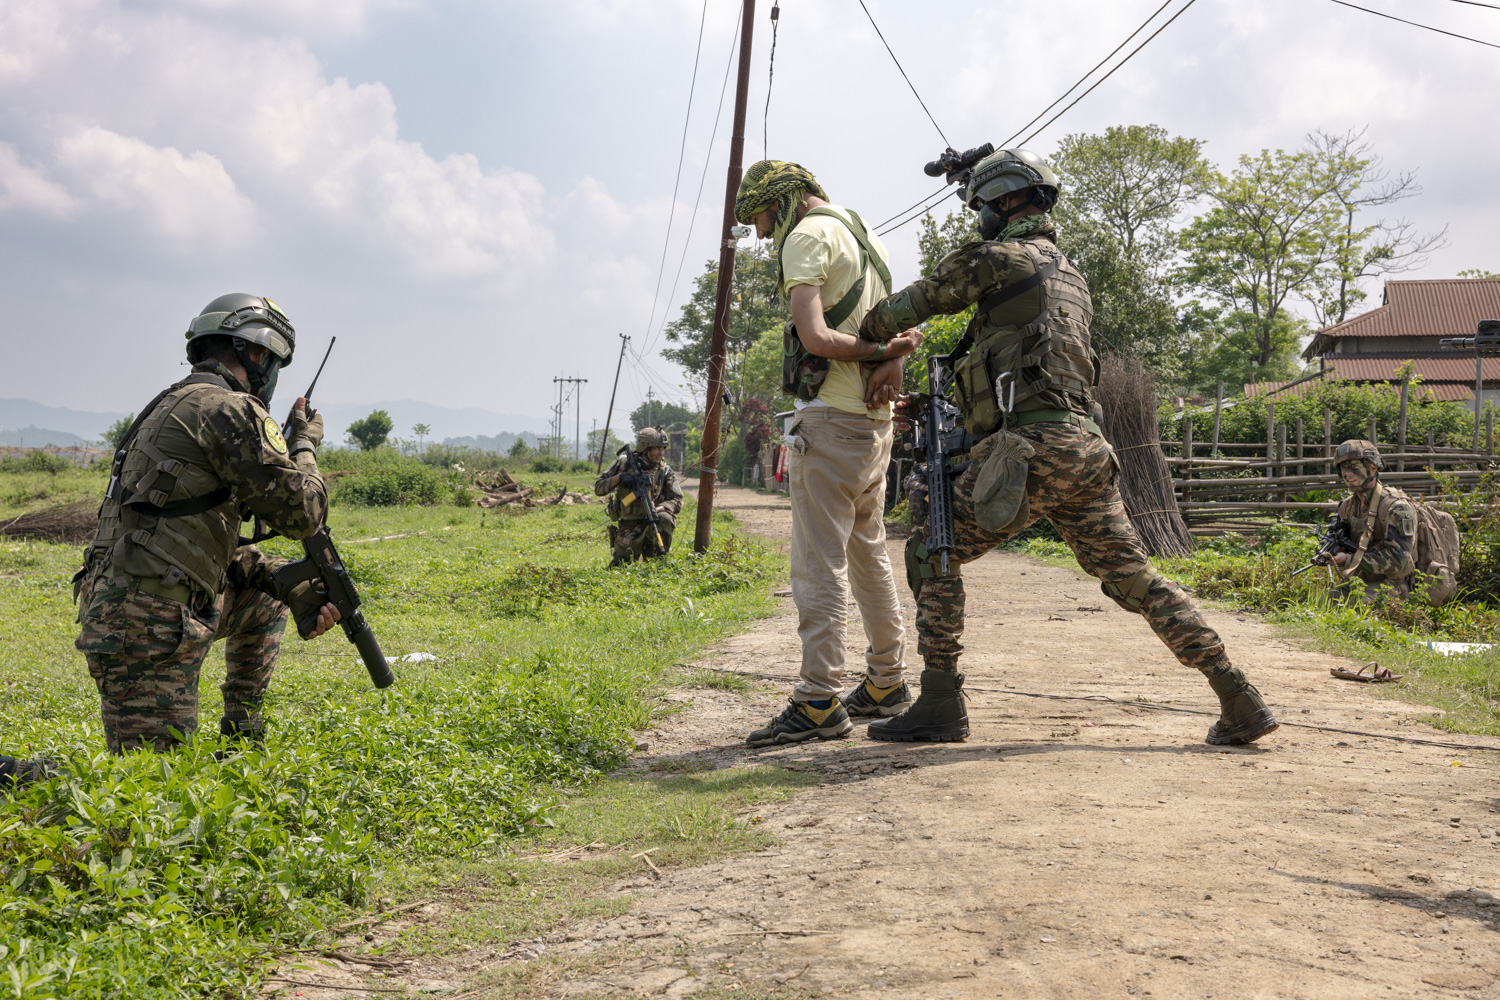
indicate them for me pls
(25, 421)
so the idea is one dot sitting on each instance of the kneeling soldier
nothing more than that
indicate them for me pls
(1381, 520)
(165, 574)
(633, 538)
(1026, 386)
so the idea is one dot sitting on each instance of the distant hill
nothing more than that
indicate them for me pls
(501, 443)
(32, 436)
(23, 416)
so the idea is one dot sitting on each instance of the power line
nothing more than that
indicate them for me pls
(765, 121)
(915, 215)
(908, 208)
(1182, 10)
(903, 73)
(681, 152)
(1418, 24)
(707, 158)
(1090, 73)
(1477, 3)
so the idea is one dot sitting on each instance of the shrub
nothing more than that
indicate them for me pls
(548, 463)
(371, 432)
(35, 460)
(581, 465)
(400, 483)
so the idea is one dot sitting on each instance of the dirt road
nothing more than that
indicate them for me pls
(1084, 841)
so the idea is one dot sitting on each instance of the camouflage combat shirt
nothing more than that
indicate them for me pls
(666, 490)
(1391, 555)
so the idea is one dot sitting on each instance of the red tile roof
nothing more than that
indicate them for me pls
(1448, 307)
(1361, 368)
(1442, 392)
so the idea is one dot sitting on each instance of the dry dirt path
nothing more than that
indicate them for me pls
(1081, 843)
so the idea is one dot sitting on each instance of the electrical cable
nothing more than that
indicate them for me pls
(1477, 3)
(1182, 10)
(1063, 96)
(681, 152)
(915, 215)
(702, 179)
(765, 121)
(903, 73)
(908, 208)
(1416, 24)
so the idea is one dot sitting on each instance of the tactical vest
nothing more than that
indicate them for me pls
(636, 509)
(166, 514)
(1031, 346)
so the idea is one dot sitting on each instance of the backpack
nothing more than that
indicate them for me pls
(1437, 553)
(803, 372)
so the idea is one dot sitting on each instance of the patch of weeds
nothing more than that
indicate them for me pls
(681, 766)
(719, 680)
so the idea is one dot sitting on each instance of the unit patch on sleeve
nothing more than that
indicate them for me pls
(272, 431)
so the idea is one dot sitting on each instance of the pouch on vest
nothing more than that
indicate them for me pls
(1000, 502)
(803, 372)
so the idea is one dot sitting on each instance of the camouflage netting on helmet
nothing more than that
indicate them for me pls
(650, 437)
(777, 181)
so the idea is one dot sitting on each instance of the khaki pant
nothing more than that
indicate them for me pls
(838, 463)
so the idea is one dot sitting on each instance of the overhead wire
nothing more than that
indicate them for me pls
(702, 179)
(931, 203)
(1094, 69)
(927, 197)
(677, 180)
(1131, 54)
(1419, 24)
(903, 73)
(765, 121)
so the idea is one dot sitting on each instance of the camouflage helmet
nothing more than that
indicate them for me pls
(251, 318)
(1357, 448)
(650, 437)
(1007, 170)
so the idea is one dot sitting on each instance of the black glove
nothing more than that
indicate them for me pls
(304, 433)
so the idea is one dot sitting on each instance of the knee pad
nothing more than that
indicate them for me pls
(1130, 593)
(920, 565)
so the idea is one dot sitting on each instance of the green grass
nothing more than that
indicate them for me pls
(28, 490)
(1258, 577)
(180, 876)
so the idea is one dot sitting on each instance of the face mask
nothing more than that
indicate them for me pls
(268, 381)
(990, 223)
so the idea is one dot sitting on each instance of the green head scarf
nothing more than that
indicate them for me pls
(779, 181)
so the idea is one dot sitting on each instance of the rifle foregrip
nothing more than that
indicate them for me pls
(363, 636)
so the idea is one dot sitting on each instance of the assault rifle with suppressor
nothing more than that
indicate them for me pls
(1486, 339)
(1335, 538)
(323, 570)
(633, 479)
(939, 436)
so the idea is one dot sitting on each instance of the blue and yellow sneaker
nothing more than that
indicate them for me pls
(865, 698)
(802, 720)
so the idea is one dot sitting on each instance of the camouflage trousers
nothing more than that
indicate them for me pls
(145, 654)
(1071, 482)
(632, 540)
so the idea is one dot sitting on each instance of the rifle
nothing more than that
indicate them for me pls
(1334, 539)
(1486, 339)
(324, 570)
(938, 435)
(640, 486)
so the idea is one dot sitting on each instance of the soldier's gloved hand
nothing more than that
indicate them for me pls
(303, 433)
(307, 603)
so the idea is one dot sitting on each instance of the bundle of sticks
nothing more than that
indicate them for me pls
(1127, 392)
(69, 522)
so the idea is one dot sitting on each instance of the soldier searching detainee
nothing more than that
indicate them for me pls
(166, 574)
(1025, 386)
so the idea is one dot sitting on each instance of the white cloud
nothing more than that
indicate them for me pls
(27, 189)
(323, 18)
(181, 197)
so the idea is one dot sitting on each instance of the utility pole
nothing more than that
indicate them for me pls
(624, 340)
(708, 463)
(594, 430)
(650, 409)
(576, 418)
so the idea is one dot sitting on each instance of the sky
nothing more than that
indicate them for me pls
(474, 197)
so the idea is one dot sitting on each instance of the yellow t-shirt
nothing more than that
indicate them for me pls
(822, 251)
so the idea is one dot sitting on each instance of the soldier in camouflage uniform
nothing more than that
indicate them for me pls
(165, 575)
(1026, 382)
(632, 538)
(1382, 521)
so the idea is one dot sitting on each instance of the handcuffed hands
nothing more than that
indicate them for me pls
(884, 384)
(304, 431)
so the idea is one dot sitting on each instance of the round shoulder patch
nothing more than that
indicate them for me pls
(272, 431)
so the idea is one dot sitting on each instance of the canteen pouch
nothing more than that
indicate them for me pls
(1000, 502)
(974, 391)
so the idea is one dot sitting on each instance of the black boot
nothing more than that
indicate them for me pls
(938, 713)
(1243, 714)
(14, 773)
(251, 734)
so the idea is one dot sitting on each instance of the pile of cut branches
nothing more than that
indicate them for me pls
(69, 522)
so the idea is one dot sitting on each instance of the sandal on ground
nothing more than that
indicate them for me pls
(1376, 673)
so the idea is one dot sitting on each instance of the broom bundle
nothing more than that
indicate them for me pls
(69, 522)
(1127, 392)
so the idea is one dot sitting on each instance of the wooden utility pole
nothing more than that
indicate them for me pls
(708, 463)
(577, 420)
(604, 441)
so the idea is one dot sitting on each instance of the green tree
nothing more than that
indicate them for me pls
(371, 432)
(662, 413)
(754, 308)
(760, 371)
(1132, 181)
(1477, 272)
(520, 449)
(421, 431)
(611, 446)
(116, 432)
(1222, 344)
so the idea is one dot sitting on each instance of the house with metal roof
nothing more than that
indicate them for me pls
(1406, 327)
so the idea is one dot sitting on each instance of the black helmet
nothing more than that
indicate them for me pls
(244, 320)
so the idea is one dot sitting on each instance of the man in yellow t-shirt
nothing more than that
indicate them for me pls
(840, 445)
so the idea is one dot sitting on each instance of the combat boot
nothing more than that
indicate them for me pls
(938, 714)
(250, 735)
(14, 773)
(1243, 714)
